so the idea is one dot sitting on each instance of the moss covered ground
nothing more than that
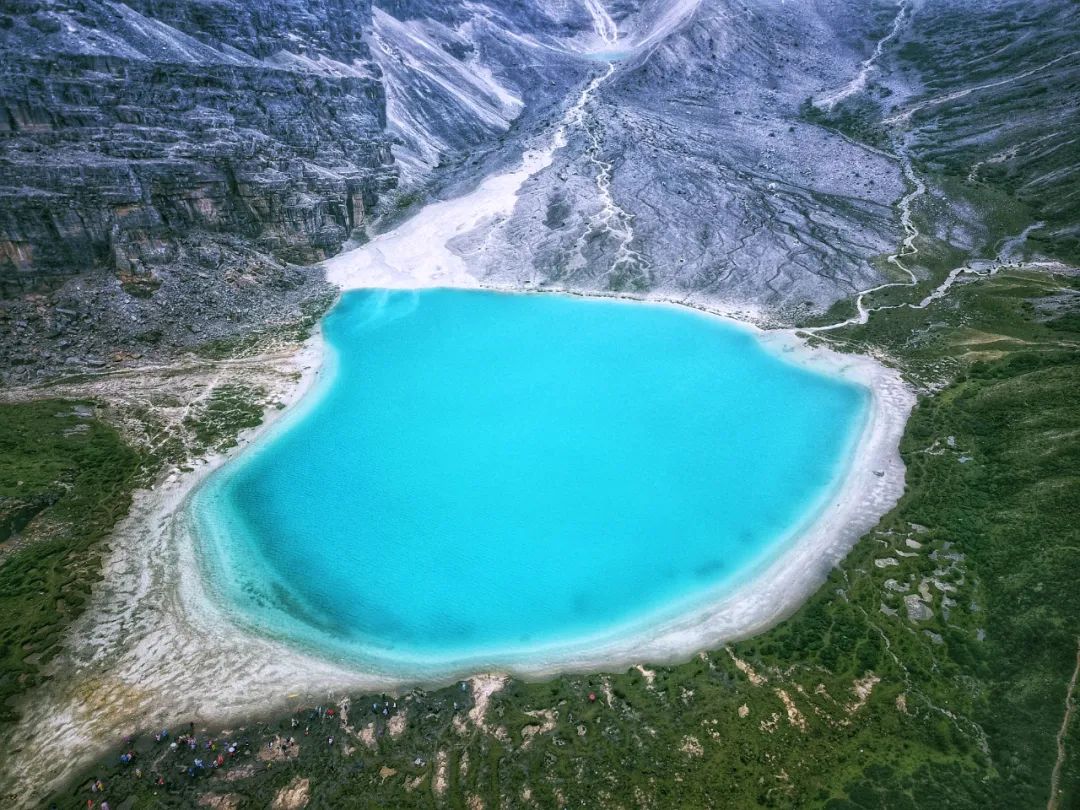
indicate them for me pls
(68, 476)
(68, 469)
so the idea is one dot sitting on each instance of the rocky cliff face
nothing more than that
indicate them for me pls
(164, 145)
(129, 127)
(170, 170)
(173, 168)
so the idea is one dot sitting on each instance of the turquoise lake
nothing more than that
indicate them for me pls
(479, 476)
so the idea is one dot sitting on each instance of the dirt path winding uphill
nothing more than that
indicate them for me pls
(1070, 707)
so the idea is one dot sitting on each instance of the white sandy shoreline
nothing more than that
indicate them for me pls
(155, 648)
(152, 649)
(774, 586)
(779, 583)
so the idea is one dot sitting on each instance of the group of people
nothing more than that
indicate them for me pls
(219, 752)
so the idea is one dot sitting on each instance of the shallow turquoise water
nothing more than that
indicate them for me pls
(481, 475)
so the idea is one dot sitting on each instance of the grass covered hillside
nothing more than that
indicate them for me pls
(65, 479)
(932, 669)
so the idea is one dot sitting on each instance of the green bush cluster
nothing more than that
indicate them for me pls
(82, 473)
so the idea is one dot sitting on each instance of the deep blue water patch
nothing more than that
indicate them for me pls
(481, 476)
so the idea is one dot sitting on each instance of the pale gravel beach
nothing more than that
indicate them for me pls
(155, 647)
(152, 647)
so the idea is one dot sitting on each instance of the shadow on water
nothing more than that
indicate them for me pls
(379, 308)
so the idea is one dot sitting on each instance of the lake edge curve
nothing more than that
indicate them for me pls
(765, 592)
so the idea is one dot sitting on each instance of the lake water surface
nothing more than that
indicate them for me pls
(480, 477)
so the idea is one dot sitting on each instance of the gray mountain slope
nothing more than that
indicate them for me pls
(718, 190)
(169, 171)
(164, 166)
(984, 99)
(1002, 110)
(458, 77)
